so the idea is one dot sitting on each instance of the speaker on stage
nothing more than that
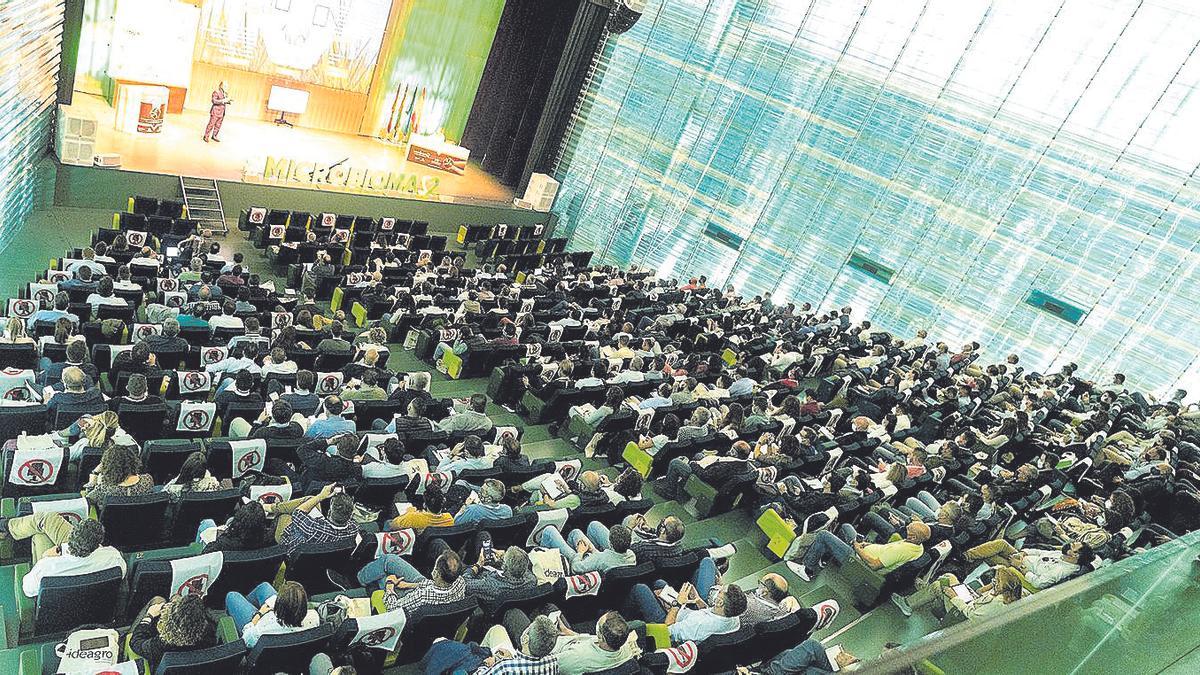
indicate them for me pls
(540, 192)
(75, 137)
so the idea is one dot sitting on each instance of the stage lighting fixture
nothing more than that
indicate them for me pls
(624, 14)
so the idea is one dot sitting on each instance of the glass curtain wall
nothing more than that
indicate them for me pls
(973, 156)
(30, 49)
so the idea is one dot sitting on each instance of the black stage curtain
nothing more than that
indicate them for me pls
(533, 77)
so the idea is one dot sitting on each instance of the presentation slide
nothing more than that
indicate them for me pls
(329, 43)
(153, 41)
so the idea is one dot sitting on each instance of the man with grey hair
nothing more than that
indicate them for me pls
(77, 391)
(535, 657)
(488, 585)
(412, 386)
(169, 340)
(581, 653)
(488, 507)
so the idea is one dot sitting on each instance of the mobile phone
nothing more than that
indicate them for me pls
(337, 489)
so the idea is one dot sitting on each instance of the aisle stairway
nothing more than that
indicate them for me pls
(203, 201)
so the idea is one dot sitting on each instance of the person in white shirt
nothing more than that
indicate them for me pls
(89, 261)
(123, 282)
(266, 612)
(104, 295)
(60, 550)
(278, 362)
(226, 319)
(236, 361)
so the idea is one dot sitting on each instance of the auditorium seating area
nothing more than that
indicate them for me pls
(697, 418)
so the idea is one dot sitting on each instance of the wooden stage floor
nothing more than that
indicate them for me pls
(245, 145)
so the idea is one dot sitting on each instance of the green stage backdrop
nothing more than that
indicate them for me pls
(444, 45)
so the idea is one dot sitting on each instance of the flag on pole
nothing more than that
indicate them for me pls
(392, 115)
(418, 112)
(398, 114)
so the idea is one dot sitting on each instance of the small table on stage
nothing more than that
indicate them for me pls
(435, 152)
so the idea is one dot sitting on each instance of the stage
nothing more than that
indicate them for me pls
(246, 144)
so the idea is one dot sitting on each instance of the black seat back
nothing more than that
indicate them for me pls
(220, 659)
(162, 458)
(194, 507)
(143, 422)
(366, 412)
(676, 570)
(509, 531)
(136, 523)
(18, 355)
(309, 565)
(68, 602)
(245, 569)
(429, 623)
(287, 652)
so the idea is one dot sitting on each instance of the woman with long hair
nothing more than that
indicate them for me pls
(119, 474)
(194, 476)
(247, 530)
(266, 611)
(179, 625)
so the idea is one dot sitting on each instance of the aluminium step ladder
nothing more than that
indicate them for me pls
(203, 202)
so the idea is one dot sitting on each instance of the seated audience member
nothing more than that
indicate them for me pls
(296, 527)
(532, 653)
(648, 544)
(1040, 568)
(940, 596)
(57, 310)
(412, 386)
(612, 400)
(267, 612)
(689, 616)
(468, 455)
(77, 392)
(301, 398)
(180, 625)
(226, 318)
(243, 390)
(471, 419)
(411, 423)
(317, 465)
(581, 653)
(247, 530)
(432, 514)
(118, 474)
(331, 422)
(583, 556)
(104, 296)
(276, 421)
(364, 389)
(136, 394)
(335, 344)
(77, 356)
(510, 459)
(489, 584)
(194, 476)
(714, 469)
(61, 549)
(168, 340)
(406, 588)
(490, 505)
(808, 658)
(882, 557)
